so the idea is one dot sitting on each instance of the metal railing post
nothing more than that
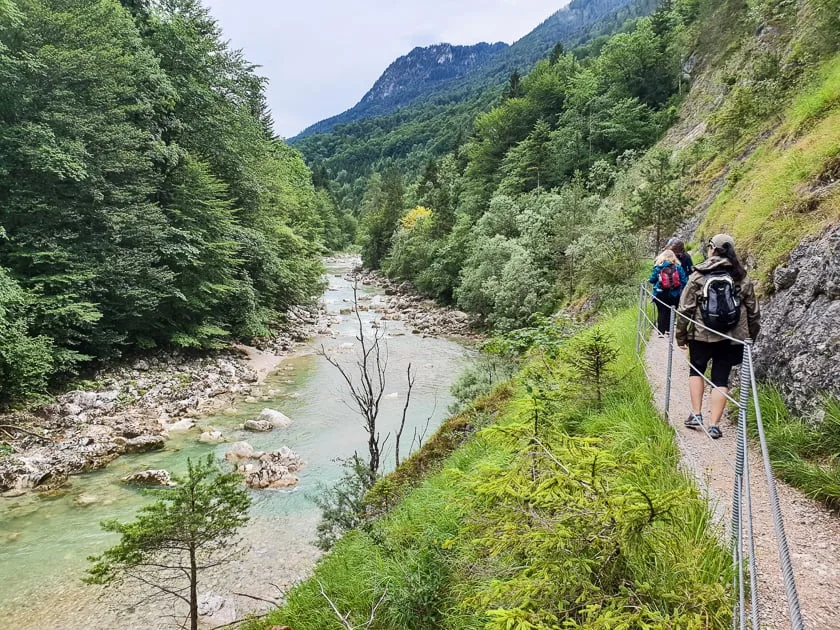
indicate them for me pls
(639, 319)
(794, 608)
(672, 328)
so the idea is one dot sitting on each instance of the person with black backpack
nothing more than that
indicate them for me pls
(668, 279)
(721, 297)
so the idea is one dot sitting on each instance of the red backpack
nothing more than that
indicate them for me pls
(669, 278)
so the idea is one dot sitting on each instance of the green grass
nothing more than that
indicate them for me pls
(588, 522)
(778, 197)
(806, 455)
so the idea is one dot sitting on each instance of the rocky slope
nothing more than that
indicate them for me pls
(800, 343)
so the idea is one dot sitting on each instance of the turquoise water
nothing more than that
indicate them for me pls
(45, 539)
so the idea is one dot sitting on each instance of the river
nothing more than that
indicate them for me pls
(46, 538)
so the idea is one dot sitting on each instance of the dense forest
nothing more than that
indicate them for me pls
(143, 199)
(518, 217)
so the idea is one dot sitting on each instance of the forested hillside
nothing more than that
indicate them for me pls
(143, 200)
(422, 72)
(557, 193)
(438, 119)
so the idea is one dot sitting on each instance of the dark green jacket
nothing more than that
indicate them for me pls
(748, 325)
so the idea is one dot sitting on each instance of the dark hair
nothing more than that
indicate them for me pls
(728, 252)
(676, 246)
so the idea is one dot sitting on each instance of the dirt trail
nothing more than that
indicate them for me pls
(813, 532)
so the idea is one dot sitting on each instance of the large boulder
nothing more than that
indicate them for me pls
(800, 325)
(211, 436)
(149, 478)
(144, 444)
(275, 418)
(266, 470)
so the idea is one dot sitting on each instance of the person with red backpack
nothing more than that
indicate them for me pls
(668, 279)
(721, 297)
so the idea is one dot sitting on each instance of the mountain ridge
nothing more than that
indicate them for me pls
(408, 76)
(568, 25)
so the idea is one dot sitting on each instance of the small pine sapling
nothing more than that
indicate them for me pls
(592, 355)
(189, 529)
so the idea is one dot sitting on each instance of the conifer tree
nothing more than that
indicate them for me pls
(190, 529)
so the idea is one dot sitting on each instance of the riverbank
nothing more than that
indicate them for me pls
(135, 408)
(589, 491)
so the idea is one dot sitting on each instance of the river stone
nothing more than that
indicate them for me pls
(85, 400)
(144, 444)
(211, 437)
(85, 500)
(181, 426)
(241, 451)
(259, 426)
(275, 418)
(149, 478)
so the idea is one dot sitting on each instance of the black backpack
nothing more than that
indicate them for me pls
(720, 304)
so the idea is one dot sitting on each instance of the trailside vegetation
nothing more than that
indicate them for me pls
(804, 453)
(586, 523)
(143, 199)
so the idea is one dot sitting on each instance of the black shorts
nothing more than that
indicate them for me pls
(724, 355)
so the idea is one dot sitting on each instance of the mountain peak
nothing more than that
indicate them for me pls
(425, 67)
(414, 74)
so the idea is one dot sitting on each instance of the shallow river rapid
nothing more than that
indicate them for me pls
(45, 539)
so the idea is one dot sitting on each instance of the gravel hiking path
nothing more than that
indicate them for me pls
(813, 531)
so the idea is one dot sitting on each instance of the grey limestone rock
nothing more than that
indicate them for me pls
(799, 345)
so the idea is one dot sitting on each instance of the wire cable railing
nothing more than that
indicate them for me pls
(741, 526)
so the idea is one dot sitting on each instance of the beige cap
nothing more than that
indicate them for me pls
(720, 240)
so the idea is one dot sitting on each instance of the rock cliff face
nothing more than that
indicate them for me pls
(799, 347)
(423, 68)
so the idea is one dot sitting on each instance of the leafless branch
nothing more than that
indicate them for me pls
(344, 618)
(273, 602)
(8, 428)
(410, 379)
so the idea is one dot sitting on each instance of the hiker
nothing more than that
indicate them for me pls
(678, 247)
(668, 279)
(720, 296)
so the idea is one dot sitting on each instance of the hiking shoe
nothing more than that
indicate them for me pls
(715, 432)
(694, 420)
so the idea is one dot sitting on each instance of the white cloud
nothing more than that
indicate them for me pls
(321, 56)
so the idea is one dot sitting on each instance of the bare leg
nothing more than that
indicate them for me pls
(696, 385)
(717, 405)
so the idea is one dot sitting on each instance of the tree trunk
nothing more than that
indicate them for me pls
(373, 449)
(193, 590)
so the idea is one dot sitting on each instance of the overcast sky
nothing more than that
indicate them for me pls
(321, 56)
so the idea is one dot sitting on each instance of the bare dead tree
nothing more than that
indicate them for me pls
(410, 378)
(367, 384)
(344, 618)
(368, 387)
